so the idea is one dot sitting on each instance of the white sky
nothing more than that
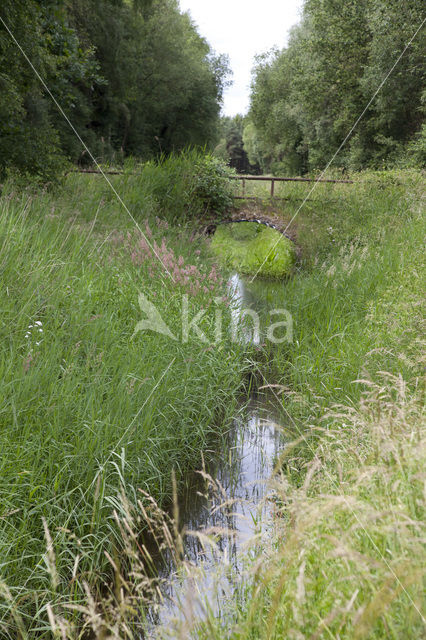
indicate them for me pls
(242, 29)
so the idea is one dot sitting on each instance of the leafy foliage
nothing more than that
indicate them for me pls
(135, 78)
(186, 185)
(212, 186)
(232, 147)
(254, 249)
(307, 97)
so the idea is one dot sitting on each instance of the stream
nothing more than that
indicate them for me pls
(231, 499)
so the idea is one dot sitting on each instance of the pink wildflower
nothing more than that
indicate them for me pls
(148, 230)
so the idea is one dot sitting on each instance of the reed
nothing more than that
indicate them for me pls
(92, 412)
(84, 470)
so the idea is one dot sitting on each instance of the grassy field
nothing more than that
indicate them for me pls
(346, 557)
(92, 411)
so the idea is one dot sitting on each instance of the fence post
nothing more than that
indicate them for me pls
(272, 187)
(244, 187)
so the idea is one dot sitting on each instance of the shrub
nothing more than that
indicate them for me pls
(213, 188)
(187, 185)
(254, 249)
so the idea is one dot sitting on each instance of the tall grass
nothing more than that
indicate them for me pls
(344, 558)
(356, 298)
(347, 558)
(346, 555)
(179, 187)
(91, 413)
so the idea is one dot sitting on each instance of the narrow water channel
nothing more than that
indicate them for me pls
(232, 499)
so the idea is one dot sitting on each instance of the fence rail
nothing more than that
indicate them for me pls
(241, 178)
(274, 179)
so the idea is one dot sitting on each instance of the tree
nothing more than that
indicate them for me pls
(29, 139)
(231, 147)
(164, 83)
(134, 77)
(307, 97)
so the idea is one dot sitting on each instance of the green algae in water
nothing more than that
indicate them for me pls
(249, 246)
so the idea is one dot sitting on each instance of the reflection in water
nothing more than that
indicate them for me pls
(251, 305)
(230, 497)
(241, 303)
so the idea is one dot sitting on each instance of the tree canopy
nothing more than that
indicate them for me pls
(307, 97)
(232, 148)
(133, 76)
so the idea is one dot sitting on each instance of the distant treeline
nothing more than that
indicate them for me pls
(133, 76)
(306, 97)
(231, 146)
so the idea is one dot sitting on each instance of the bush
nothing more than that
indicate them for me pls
(187, 185)
(213, 188)
(254, 249)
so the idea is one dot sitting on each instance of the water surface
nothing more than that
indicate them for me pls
(232, 498)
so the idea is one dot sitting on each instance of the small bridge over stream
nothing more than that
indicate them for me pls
(248, 214)
(254, 214)
(269, 219)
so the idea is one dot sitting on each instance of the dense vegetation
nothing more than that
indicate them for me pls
(77, 448)
(104, 414)
(231, 147)
(306, 97)
(91, 408)
(254, 249)
(344, 556)
(134, 78)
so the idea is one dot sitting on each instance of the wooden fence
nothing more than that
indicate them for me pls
(274, 179)
(242, 178)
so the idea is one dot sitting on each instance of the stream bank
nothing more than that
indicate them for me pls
(230, 500)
